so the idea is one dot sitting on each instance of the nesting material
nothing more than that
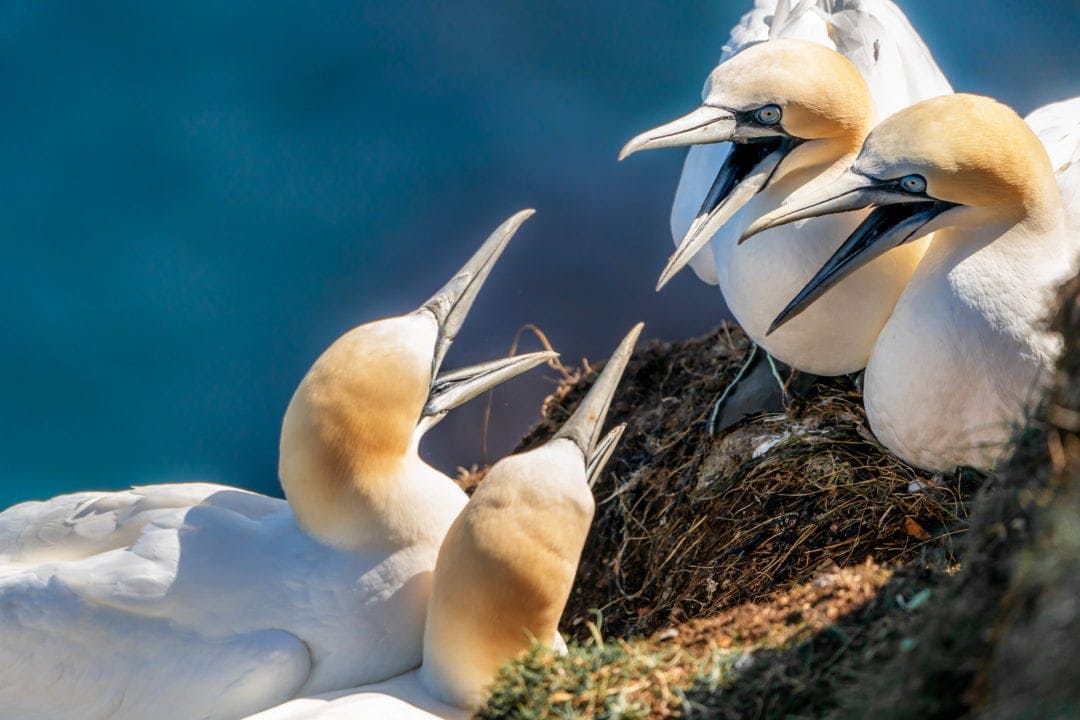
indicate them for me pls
(688, 526)
(755, 660)
(1000, 639)
(994, 636)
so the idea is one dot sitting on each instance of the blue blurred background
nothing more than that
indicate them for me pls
(198, 197)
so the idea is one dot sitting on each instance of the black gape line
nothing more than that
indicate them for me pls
(886, 227)
(740, 162)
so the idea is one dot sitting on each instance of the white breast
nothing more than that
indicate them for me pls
(758, 278)
(836, 334)
(959, 362)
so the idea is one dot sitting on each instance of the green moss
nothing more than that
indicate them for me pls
(607, 681)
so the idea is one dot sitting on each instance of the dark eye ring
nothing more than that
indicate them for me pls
(913, 183)
(768, 115)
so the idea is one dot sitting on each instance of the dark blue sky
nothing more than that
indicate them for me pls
(198, 197)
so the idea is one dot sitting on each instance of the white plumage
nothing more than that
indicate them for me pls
(836, 335)
(503, 575)
(958, 365)
(189, 601)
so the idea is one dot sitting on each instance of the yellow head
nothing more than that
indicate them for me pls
(348, 457)
(819, 92)
(793, 108)
(971, 151)
(355, 415)
(505, 569)
(508, 562)
(955, 161)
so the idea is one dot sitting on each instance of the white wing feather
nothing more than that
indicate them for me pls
(191, 601)
(1058, 126)
(874, 34)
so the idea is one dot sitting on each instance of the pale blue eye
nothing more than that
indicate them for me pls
(768, 115)
(913, 183)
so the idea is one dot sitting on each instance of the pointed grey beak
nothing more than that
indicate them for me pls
(584, 426)
(705, 125)
(850, 191)
(746, 171)
(897, 218)
(451, 304)
(603, 452)
(457, 387)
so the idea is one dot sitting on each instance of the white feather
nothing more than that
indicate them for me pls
(877, 38)
(191, 601)
(1058, 126)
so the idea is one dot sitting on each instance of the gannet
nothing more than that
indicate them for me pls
(960, 360)
(795, 93)
(205, 601)
(504, 572)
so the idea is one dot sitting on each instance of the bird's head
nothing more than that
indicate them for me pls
(788, 105)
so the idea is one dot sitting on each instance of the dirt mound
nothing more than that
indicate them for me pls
(994, 638)
(1000, 640)
(687, 525)
(702, 670)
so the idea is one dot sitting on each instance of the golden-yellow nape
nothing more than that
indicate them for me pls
(953, 162)
(793, 108)
(348, 455)
(783, 87)
(972, 151)
(820, 92)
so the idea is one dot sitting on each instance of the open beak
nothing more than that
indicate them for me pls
(450, 306)
(457, 387)
(850, 191)
(746, 171)
(584, 426)
(897, 218)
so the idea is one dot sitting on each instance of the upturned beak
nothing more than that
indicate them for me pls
(452, 303)
(705, 125)
(451, 306)
(457, 387)
(897, 218)
(584, 426)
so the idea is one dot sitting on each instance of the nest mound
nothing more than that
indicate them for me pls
(687, 525)
(995, 638)
(703, 669)
(1000, 640)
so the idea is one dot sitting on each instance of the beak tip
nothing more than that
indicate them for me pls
(520, 216)
(753, 229)
(627, 150)
(776, 323)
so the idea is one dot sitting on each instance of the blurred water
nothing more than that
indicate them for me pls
(198, 197)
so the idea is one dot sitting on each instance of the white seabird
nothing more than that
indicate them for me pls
(503, 576)
(783, 108)
(958, 364)
(188, 601)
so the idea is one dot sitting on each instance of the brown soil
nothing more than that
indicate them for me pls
(794, 615)
(802, 580)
